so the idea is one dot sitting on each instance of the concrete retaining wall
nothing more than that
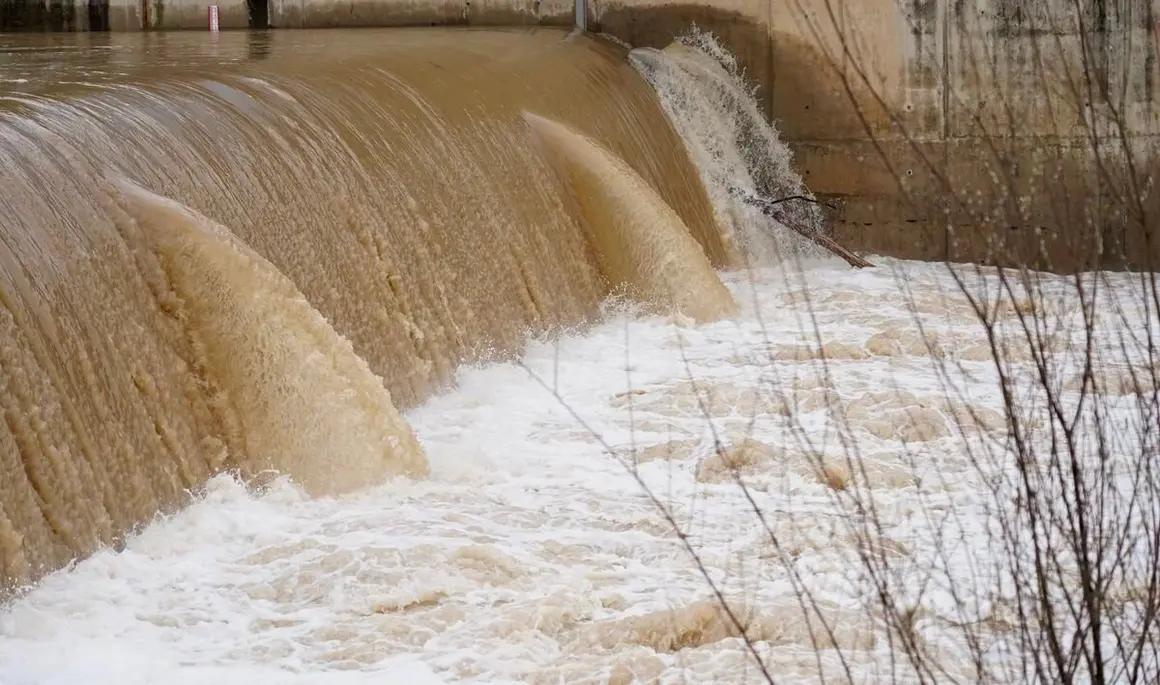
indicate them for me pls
(328, 13)
(136, 15)
(118, 15)
(894, 107)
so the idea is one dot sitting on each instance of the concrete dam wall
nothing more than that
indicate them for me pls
(904, 113)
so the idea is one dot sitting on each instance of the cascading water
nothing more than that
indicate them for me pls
(703, 91)
(211, 257)
(300, 401)
(640, 243)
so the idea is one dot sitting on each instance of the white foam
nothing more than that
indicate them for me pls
(531, 555)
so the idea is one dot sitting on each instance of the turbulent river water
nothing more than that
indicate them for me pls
(581, 501)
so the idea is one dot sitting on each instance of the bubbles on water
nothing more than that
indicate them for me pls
(746, 456)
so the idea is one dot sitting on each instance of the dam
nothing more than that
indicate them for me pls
(437, 354)
(898, 112)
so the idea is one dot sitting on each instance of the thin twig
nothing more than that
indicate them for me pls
(768, 207)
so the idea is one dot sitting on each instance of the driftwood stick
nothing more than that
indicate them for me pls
(768, 208)
(793, 198)
(826, 242)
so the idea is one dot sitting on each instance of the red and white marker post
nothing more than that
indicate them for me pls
(213, 18)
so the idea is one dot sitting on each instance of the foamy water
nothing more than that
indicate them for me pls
(532, 555)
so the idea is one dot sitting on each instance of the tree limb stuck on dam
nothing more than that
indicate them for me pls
(393, 185)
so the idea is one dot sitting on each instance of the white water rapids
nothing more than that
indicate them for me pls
(531, 554)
